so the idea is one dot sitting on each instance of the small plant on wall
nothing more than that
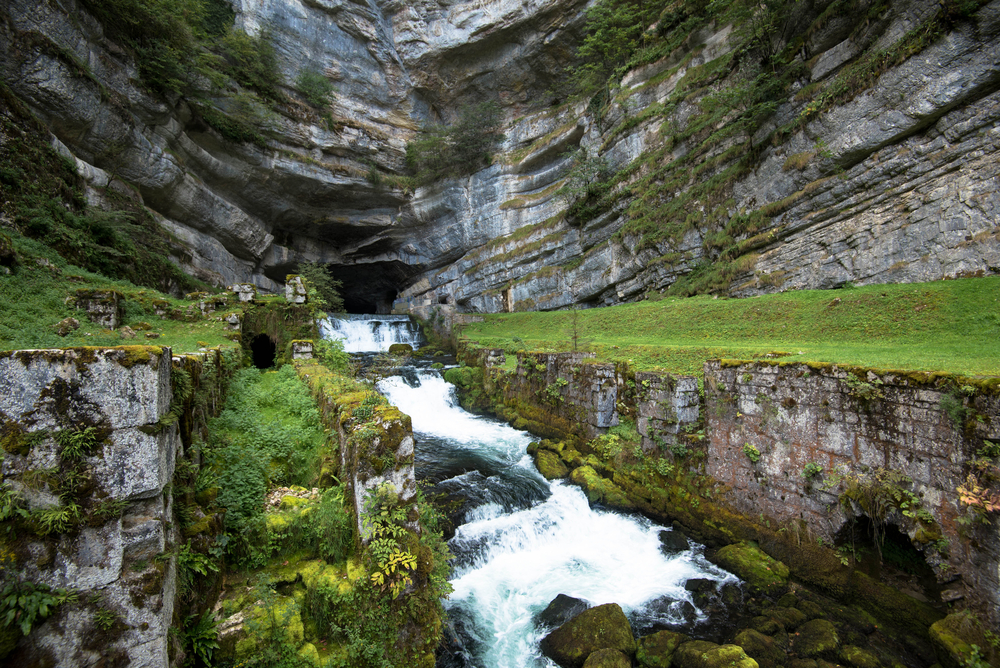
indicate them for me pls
(752, 453)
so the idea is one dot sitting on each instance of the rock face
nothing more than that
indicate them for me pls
(895, 182)
(125, 599)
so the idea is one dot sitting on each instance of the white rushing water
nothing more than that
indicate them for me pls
(510, 563)
(371, 333)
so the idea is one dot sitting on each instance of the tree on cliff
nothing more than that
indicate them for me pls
(463, 147)
(326, 288)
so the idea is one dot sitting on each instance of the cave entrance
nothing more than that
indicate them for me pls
(886, 554)
(263, 350)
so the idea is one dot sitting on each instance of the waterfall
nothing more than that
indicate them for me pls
(525, 540)
(363, 333)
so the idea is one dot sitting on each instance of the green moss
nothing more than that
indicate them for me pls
(550, 465)
(954, 637)
(601, 627)
(816, 639)
(599, 489)
(761, 572)
(656, 650)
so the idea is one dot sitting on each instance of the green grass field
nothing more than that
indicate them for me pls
(945, 326)
(34, 298)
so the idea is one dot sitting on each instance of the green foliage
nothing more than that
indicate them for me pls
(105, 619)
(22, 604)
(812, 470)
(76, 443)
(458, 149)
(752, 453)
(191, 566)
(317, 89)
(268, 433)
(253, 62)
(54, 519)
(200, 636)
(330, 353)
(953, 405)
(615, 31)
(327, 289)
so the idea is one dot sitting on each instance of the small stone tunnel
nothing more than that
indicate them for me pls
(263, 349)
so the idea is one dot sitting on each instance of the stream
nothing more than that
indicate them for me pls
(521, 540)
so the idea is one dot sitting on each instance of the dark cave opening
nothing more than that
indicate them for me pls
(886, 554)
(263, 350)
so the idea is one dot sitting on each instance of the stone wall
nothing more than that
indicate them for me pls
(119, 516)
(887, 431)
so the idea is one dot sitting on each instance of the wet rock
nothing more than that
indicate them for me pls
(560, 610)
(656, 650)
(600, 490)
(953, 638)
(607, 658)
(760, 647)
(400, 349)
(816, 639)
(700, 585)
(550, 465)
(761, 572)
(703, 654)
(126, 332)
(603, 627)
(672, 542)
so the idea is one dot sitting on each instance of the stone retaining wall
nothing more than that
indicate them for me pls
(121, 394)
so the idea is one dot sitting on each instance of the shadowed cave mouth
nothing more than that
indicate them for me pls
(372, 288)
(886, 554)
(263, 350)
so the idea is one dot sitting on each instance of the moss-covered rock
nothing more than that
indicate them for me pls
(816, 639)
(600, 490)
(788, 618)
(760, 648)
(602, 627)
(549, 465)
(704, 654)
(761, 572)
(607, 658)
(657, 650)
(852, 655)
(954, 636)
(400, 349)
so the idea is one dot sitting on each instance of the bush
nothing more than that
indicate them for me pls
(458, 149)
(253, 62)
(316, 88)
(325, 288)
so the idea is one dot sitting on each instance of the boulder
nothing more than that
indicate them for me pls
(550, 465)
(599, 489)
(656, 650)
(67, 325)
(760, 571)
(760, 648)
(560, 610)
(673, 541)
(603, 627)
(400, 349)
(704, 654)
(816, 639)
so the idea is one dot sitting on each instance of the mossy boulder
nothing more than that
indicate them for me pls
(400, 349)
(600, 490)
(954, 636)
(857, 657)
(816, 639)
(704, 654)
(549, 465)
(657, 650)
(759, 570)
(602, 627)
(607, 658)
(788, 618)
(760, 648)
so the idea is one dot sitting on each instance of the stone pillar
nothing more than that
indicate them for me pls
(112, 400)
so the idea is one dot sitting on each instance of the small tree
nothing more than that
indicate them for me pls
(317, 89)
(326, 288)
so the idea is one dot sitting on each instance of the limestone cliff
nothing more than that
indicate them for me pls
(876, 160)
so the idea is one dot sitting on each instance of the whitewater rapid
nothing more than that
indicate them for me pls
(524, 540)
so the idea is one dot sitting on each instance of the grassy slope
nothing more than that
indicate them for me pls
(946, 326)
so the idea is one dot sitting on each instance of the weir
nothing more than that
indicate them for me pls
(371, 333)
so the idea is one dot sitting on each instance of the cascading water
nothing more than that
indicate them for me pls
(524, 540)
(371, 333)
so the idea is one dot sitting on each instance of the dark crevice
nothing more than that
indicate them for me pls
(263, 350)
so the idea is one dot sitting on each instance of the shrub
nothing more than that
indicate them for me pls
(812, 470)
(317, 89)
(327, 289)
(458, 149)
(752, 453)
